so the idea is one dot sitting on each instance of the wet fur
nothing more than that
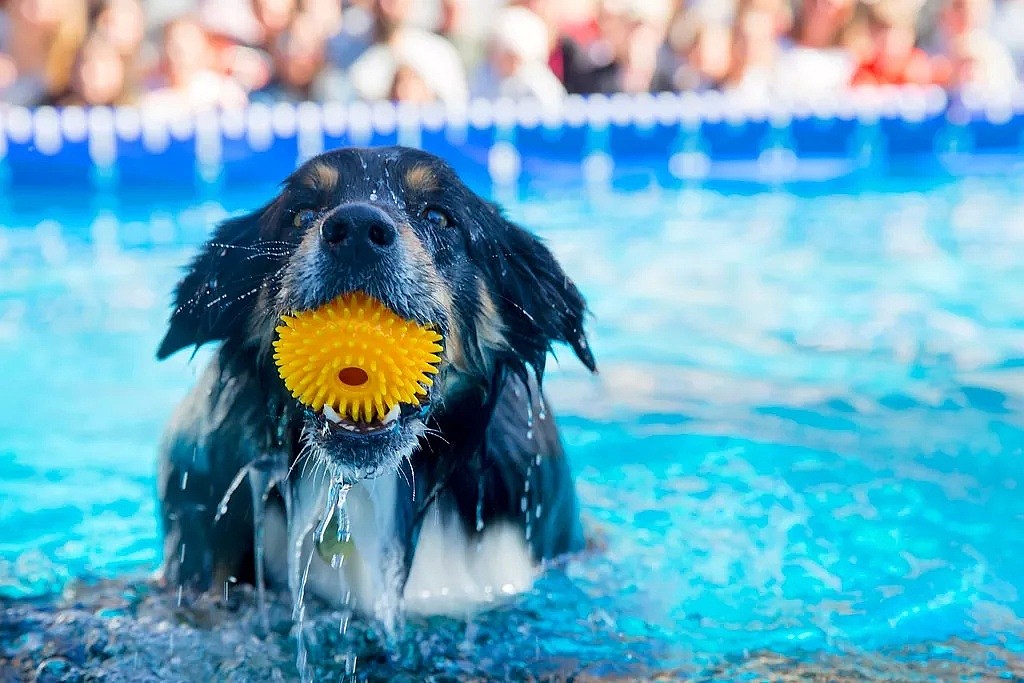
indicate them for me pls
(501, 301)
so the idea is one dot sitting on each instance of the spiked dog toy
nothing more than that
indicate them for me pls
(357, 357)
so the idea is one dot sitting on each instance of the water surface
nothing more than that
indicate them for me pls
(806, 434)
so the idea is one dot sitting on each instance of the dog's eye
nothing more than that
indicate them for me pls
(437, 217)
(303, 218)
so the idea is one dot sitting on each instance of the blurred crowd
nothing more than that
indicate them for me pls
(225, 53)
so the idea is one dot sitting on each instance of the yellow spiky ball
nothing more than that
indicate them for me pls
(356, 356)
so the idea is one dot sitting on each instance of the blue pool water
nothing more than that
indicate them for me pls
(807, 432)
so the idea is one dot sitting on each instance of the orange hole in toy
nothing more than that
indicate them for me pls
(353, 377)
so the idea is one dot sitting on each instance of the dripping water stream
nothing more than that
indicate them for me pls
(264, 474)
(333, 509)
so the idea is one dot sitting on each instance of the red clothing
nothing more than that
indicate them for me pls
(917, 68)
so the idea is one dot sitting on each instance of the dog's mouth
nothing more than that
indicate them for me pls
(399, 415)
(362, 449)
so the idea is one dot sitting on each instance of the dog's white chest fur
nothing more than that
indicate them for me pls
(452, 573)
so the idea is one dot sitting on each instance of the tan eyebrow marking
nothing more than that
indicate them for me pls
(421, 179)
(321, 176)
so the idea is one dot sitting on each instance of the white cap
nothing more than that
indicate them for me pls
(521, 32)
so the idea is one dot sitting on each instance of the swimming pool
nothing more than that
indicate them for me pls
(806, 436)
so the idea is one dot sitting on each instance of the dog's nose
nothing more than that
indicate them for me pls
(358, 227)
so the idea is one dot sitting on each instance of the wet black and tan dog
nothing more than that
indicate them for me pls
(455, 502)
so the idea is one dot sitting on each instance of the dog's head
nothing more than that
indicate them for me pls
(399, 225)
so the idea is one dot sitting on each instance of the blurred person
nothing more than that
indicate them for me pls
(273, 18)
(300, 71)
(454, 24)
(357, 34)
(567, 57)
(410, 86)
(755, 46)
(1008, 29)
(975, 57)
(42, 41)
(892, 57)
(821, 55)
(819, 24)
(517, 60)
(252, 68)
(99, 76)
(236, 38)
(187, 75)
(626, 56)
(640, 68)
(397, 42)
(8, 69)
(122, 24)
(976, 61)
(699, 48)
(8, 74)
(452, 17)
(327, 13)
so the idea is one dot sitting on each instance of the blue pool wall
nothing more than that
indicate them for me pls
(661, 138)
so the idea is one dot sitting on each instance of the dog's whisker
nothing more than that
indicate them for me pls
(254, 246)
(436, 433)
(266, 255)
(401, 472)
(518, 307)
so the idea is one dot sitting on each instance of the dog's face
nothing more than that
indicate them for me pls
(399, 225)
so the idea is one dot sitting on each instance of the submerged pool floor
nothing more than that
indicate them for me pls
(805, 441)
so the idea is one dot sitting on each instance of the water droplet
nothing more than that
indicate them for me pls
(299, 616)
(184, 480)
(480, 503)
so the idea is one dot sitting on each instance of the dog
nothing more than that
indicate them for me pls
(450, 504)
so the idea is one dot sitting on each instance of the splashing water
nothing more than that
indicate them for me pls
(480, 503)
(297, 581)
(333, 509)
(264, 475)
(529, 416)
(524, 503)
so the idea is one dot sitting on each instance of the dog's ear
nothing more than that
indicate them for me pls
(215, 296)
(538, 302)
